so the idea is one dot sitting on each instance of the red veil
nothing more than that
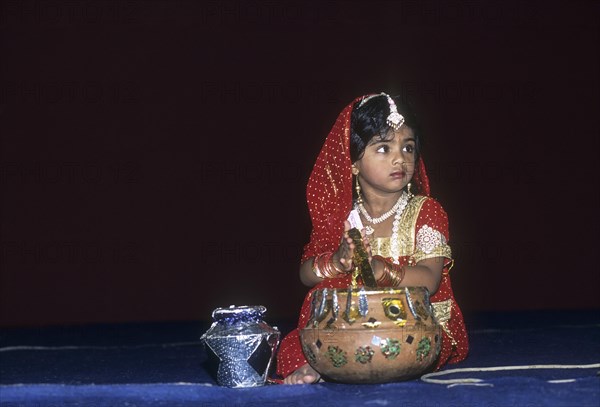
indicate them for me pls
(329, 190)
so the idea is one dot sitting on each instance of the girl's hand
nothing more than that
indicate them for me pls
(343, 256)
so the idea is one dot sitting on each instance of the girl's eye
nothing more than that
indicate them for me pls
(383, 149)
(409, 148)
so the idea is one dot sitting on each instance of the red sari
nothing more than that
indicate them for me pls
(424, 227)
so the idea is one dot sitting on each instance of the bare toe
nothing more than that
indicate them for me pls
(303, 375)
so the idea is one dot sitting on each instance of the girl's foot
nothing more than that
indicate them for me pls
(303, 375)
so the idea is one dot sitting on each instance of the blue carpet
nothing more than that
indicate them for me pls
(164, 364)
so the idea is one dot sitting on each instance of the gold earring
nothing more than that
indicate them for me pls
(358, 194)
(410, 194)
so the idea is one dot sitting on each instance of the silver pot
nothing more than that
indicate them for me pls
(244, 344)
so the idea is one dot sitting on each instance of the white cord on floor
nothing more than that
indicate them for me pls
(427, 378)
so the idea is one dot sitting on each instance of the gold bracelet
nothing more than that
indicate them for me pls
(329, 267)
(321, 267)
(397, 274)
(324, 267)
(393, 274)
(315, 266)
(333, 268)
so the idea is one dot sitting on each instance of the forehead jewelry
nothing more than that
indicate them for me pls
(394, 119)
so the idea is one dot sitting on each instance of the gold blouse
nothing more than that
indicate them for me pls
(426, 243)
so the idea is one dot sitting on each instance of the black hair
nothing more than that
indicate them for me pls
(369, 120)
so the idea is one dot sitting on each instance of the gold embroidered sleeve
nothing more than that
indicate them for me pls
(442, 310)
(430, 243)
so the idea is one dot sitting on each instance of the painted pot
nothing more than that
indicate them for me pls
(364, 335)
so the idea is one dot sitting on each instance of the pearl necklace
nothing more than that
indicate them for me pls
(398, 208)
(383, 217)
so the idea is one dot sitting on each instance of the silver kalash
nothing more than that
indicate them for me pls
(244, 344)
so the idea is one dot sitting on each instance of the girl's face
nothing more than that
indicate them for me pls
(388, 165)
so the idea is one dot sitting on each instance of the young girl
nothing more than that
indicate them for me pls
(370, 168)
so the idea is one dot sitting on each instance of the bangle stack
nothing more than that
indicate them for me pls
(324, 267)
(393, 274)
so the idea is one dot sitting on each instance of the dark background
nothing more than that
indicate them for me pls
(154, 154)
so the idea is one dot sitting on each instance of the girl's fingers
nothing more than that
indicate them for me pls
(347, 264)
(347, 226)
(347, 246)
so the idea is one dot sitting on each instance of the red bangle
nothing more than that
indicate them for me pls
(324, 267)
(393, 274)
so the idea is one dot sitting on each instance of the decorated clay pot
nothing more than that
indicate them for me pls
(364, 335)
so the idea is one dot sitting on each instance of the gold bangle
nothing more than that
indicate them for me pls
(333, 268)
(315, 266)
(329, 268)
(384, 280)
(324, 267)
(397, 275)
(392, 274)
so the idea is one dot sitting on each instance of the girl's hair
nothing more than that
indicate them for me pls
(369, 120)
